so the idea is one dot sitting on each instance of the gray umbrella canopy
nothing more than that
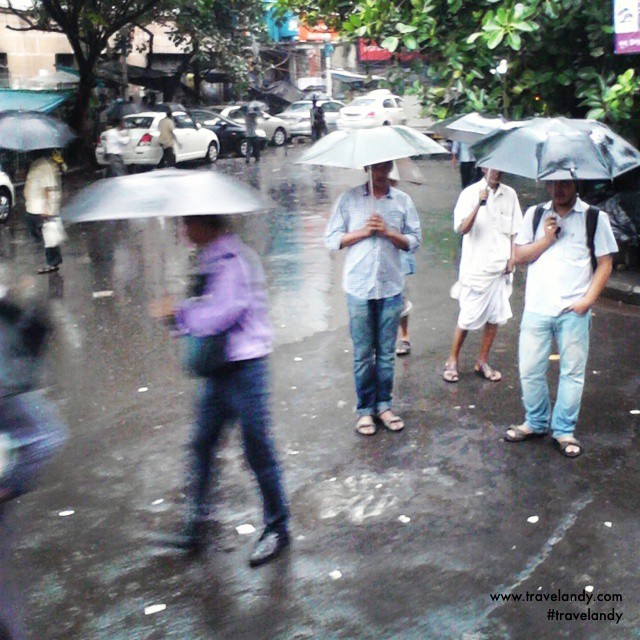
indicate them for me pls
(168, 192)
(557, 149)
(31, 130)
(468, 128)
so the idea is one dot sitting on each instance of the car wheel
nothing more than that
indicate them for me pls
(243, 148)
(5, 205)
(212, 152)
(279, 137)
(386, 123)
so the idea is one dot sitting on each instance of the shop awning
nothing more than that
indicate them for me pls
(45, 101)
(350, 77)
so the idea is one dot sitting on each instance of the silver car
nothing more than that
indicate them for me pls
(7, 196)
(298, 115)
(276, 129)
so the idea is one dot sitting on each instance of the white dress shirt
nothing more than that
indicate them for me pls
(562, 274)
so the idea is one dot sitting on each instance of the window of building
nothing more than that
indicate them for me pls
(4, 70)
(65, 60)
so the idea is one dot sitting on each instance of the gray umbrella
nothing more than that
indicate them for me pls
(168, 192)
(557, 149)
(32, 130)
(468, 128)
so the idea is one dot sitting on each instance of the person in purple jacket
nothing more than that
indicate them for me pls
(233, 301)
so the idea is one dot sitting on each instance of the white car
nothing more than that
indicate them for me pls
(7, 196)
(276, 129)
(373, 110)
(298, 116)
(194, 141)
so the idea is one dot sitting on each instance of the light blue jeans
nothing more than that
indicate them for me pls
(374, 326)
(571, 332)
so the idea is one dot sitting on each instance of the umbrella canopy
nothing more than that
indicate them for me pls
(468, 128)
(167, 192)
(558, 149)
(358, 148)
(31, 130)
(406, 170)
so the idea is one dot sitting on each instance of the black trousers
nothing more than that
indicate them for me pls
(253, 148)
(168, 158)
(52, 255)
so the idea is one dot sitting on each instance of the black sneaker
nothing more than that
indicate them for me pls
(269, 546)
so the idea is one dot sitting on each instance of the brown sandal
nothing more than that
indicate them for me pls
(366, 426)
(487, 373)
(450, 373)
(394, 423)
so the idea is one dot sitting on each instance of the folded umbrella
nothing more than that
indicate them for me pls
(557, 149)
(167, 192)
(468, 128)
(32, 130)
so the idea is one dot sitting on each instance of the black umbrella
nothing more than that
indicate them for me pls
(32, 130)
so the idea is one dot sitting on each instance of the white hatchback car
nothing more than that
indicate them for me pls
(298, 116)
(377, 108)
(7, 197)
(194, 142)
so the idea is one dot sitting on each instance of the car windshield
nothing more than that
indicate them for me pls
(300, 106)
(138, 122)
(362, 102)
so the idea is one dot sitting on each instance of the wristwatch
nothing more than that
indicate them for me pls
(483, 202)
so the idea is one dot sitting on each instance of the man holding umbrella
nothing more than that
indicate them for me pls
(569, 265)
(375, 222)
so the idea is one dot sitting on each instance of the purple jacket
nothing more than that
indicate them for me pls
(234, 300)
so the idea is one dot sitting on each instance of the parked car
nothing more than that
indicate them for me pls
(195, 142)
(7, 196)
(298, 116)
(377, 108)
(232, 134)
(276, 129)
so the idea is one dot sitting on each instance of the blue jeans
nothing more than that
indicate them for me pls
(374, 327)
(239, 390)
(571, 332)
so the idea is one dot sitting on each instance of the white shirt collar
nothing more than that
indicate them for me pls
(579, 206)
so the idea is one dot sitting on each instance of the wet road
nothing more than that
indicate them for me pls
(466, 496)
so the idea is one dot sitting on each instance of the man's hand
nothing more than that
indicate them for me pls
(377, 224)
(580, 307)
(550, 229)
(484, 194)
(511, 265)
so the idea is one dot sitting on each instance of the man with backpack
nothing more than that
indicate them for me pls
(568, 246)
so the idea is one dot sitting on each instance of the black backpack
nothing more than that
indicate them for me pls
(591, 224)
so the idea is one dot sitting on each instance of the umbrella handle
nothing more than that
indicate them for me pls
(373, 198)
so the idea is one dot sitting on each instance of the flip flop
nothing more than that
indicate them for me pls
(394, 423)
(450, 373)
(366, 426)
(568, 442)
(48, 269)
(486, 372)
(404, 348)
(522, 432)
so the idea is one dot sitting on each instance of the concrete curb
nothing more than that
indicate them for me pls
(625, 290)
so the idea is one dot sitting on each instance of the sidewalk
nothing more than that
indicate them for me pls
(624, 286)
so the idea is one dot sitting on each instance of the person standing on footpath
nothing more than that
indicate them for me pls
(30, 433)
(166, 140)
(569, 248)
(373, 280)
(43, 195)
(253, 144)
(318, 121)
(463, 158)
(232, 304)
(488, 216)
(116, 140)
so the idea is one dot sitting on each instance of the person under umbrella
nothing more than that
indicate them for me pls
(43, 194)
(251, 124)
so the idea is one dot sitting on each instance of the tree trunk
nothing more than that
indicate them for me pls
(80, 115)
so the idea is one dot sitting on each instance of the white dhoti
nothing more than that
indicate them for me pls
(481, 305)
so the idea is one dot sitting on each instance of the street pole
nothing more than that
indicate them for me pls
(328, 50)
(123, 55)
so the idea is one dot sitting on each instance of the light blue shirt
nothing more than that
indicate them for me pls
(562, 274)
(462, 152)
(373, 267)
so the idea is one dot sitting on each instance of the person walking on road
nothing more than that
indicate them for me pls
(231, 302)
(488, 216)
(30, 433)
(167, 139)
(43, 195)
(404, 341)
(253, 144)
(373, 280)
(116, 140)
(463, 158)
(318, 121)
(568, 246)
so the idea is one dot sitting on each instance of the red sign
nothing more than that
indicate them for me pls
(370, 52)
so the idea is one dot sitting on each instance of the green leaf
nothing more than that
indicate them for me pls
(410, 42)
(473, 37)
(515, 41)
(405, 28)
(495, 39)
(390, 44)
(521, 25)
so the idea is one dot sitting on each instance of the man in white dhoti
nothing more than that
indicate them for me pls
(488, 216)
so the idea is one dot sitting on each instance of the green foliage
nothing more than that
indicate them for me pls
(559, 53)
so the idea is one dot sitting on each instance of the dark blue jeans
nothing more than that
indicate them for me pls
(374, 327)
(240, 390)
